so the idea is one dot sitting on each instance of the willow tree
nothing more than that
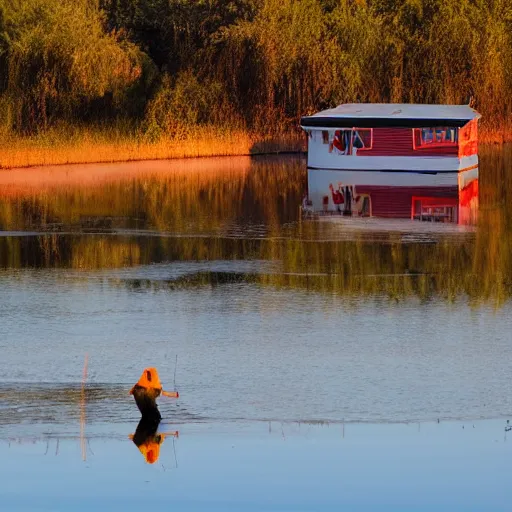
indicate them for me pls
(184, 102)
(289, 55)
(60, 59)
(491, 69)
(177, 34)
(368, 54)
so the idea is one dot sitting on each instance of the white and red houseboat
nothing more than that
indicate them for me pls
(394, 160)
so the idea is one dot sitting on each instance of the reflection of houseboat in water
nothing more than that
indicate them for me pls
(394, 160)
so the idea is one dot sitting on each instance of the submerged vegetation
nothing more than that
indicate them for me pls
(139, 72)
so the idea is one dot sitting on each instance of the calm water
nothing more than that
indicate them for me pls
(286, 468)
(288, 334)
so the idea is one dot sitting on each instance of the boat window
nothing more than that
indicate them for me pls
(340, 143)
(362, 138)
(325, 137)
(349, 141)
(438, 136)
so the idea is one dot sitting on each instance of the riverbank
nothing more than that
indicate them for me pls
(82, 146)
(90, 146)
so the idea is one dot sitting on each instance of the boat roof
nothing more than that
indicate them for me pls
(407, 115)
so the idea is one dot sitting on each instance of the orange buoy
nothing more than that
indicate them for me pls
(147, 389)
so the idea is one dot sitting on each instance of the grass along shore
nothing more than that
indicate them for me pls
(101, 146)
(90, 145)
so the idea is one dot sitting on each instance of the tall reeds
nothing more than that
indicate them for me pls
(67, 145)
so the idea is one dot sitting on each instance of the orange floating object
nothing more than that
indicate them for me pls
(147, 389)
(148, 379)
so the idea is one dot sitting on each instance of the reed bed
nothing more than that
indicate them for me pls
(97, 147)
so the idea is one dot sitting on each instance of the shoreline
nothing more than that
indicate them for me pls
(98, 148)
(156, 159)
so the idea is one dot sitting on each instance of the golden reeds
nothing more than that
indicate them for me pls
(101, 147)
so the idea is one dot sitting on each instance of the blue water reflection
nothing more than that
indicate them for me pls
(270, 467)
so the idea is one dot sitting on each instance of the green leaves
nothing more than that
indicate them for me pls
(260, 64)
(59, 56)
(184, 103)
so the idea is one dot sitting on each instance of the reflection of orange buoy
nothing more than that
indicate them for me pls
(148, 441)
(147, 390)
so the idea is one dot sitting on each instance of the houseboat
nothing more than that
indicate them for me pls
(393, 160)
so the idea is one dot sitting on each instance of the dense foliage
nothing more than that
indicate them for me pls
(166, 65)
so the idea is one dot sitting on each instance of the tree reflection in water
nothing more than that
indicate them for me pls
(246, 209)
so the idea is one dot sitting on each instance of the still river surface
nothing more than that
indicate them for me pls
(320, 364)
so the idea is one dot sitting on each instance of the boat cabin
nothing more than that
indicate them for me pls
(411, 158)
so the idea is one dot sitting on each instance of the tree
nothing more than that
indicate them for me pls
(60, 59)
